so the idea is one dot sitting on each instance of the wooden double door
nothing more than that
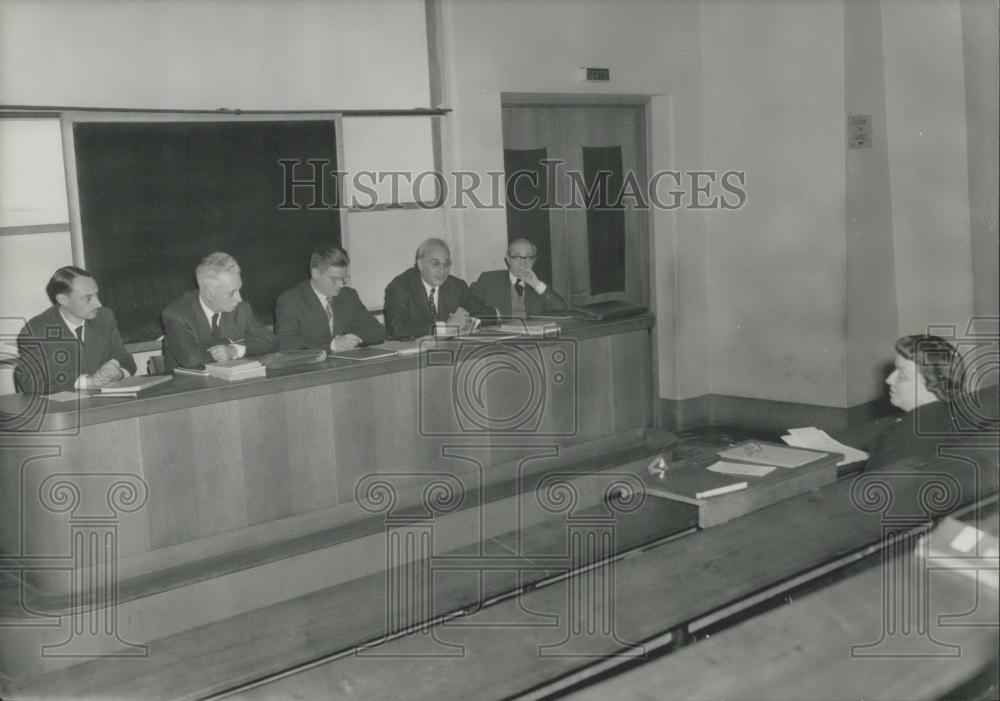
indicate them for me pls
(572, 172)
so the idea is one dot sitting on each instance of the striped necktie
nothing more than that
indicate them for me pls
(434, 309)
(329, 313)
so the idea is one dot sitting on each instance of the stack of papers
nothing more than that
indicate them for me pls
(742, 469)
(364, 353)
(818, 439)
(240, 369)
(131, 386)
(400, 347)
(767, 454)
(530, 327)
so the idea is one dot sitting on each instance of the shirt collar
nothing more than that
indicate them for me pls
(73, 326)
(208, 312)
(428, 288)
(513, 278)
(321, 297)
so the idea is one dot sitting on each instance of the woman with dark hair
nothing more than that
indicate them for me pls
(927, 383)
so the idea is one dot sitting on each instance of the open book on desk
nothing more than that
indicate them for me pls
(726, 489)
(363, 353)
(131, 386)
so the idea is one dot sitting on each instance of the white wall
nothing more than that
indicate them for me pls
(925, 111)
(246, 54)
(773, 77)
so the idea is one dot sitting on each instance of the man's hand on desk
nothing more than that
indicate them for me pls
(345, 342)
(461, 319)
(106, 374)
(223, 352)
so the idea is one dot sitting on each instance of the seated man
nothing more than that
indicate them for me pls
(322, 312)
(74, 344)
(426, 293)
(517, 292)
(213, 323)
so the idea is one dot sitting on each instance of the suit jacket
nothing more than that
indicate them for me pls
(408, 313)
(301, 321)
(51, 357)
(494, 288)
(189, 334)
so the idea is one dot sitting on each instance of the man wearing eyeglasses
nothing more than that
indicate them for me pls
(428, 293)
(517, 292)
(323, 313)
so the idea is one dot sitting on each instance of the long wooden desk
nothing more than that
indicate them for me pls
(197, 468)
(565, 631)
(881, 633)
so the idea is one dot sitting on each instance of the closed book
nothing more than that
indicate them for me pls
(238, 369)
(131, 386)
(692, 484)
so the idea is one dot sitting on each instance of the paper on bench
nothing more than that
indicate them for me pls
(733, 468)
(818, 439)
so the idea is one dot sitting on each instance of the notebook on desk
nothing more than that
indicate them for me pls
(612, 309)
(131, 386)
(364, 353)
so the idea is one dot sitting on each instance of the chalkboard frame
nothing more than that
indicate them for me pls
(70, 119)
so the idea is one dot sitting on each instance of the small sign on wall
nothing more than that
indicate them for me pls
(859, 131)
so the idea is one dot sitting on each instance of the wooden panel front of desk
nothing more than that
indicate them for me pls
(224, 467)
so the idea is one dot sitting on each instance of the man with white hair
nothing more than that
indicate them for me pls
(213, 323)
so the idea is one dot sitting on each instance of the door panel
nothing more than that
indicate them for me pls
(599, 245)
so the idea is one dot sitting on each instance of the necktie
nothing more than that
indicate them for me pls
(434, 309)
(216, 329)
(79, 333)
(519, 287)
(329, 313)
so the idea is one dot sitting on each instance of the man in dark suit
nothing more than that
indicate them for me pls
(213, 323)
(427, 293)
(322, 312)
(74, 344)
(517, 292)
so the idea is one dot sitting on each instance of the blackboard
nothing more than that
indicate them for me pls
(155, 197)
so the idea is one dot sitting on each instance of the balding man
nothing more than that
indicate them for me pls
(213, 323)
(517, 292)
(427, 293)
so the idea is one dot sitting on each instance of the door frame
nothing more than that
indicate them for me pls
(642, 101)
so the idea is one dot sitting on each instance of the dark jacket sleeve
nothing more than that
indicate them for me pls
(552, 300)
(30, 373)
(476, 306)
(398, 319)
(182, 341)
(259, 339)
(287, 323)
(116, 349)
(363, 323)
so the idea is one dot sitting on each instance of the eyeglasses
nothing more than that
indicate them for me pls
(435, 264)
(523, 259)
